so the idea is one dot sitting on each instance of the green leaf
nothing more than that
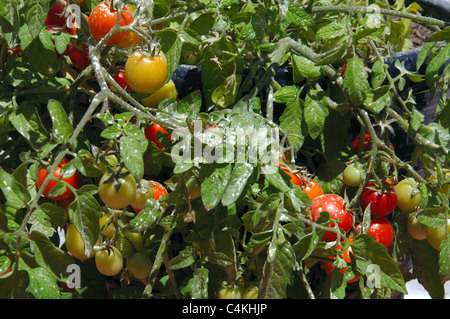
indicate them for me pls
(304, 68)
(49, 256)
(84, 213)
(35, 16)
(46, 218)
(43, 285)
(371, 255)
(132, 149)
(442, 35)
(15, 193)
(216, 178)
(238, 180)
(277, 275)
(378, 74)
(199, 286)
(426, 268)
(28, 123)
(184, 259)
(62, 128)
(355, 81)
(315, 112)
(377, 99)
(332, 30)
(148, 217)
(433, 68)
(291, 122)
(171, 45)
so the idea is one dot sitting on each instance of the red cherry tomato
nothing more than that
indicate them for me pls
(335, 206)
(103, 18)
(55, 15)
(80, 57)
(381, 229)
(366, 143)
(328, 265)
(381, 202)
(151, 131)
(119, 77)
(73, 180)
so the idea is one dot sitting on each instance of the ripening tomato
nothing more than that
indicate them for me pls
(130, 243)
(146, 191)
(73, 181)
(328, 265)
(131, 41)
(110, 230)
(382, 202)
(194, 188)
(251, 292)
(381, 229)
(168, 91)
(151, 134)
(295, 178)
(312, 188)
(146, 74)
(80, 57)
(435, 236)
(103, 18)
(109, 261)
(415, 228)
(117, 192)
(335, 206)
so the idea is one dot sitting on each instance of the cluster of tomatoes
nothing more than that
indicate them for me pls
(118, 189)
(380, 200)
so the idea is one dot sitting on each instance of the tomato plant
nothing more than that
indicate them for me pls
(238, 85)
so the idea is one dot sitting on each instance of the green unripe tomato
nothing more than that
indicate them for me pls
(408, 195)
(194, 188)
(435, 236)
(353, 176)
(139, 265)
(251, 292)
(109, 261)
(231, 292)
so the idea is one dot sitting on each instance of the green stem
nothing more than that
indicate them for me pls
(157, 263)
